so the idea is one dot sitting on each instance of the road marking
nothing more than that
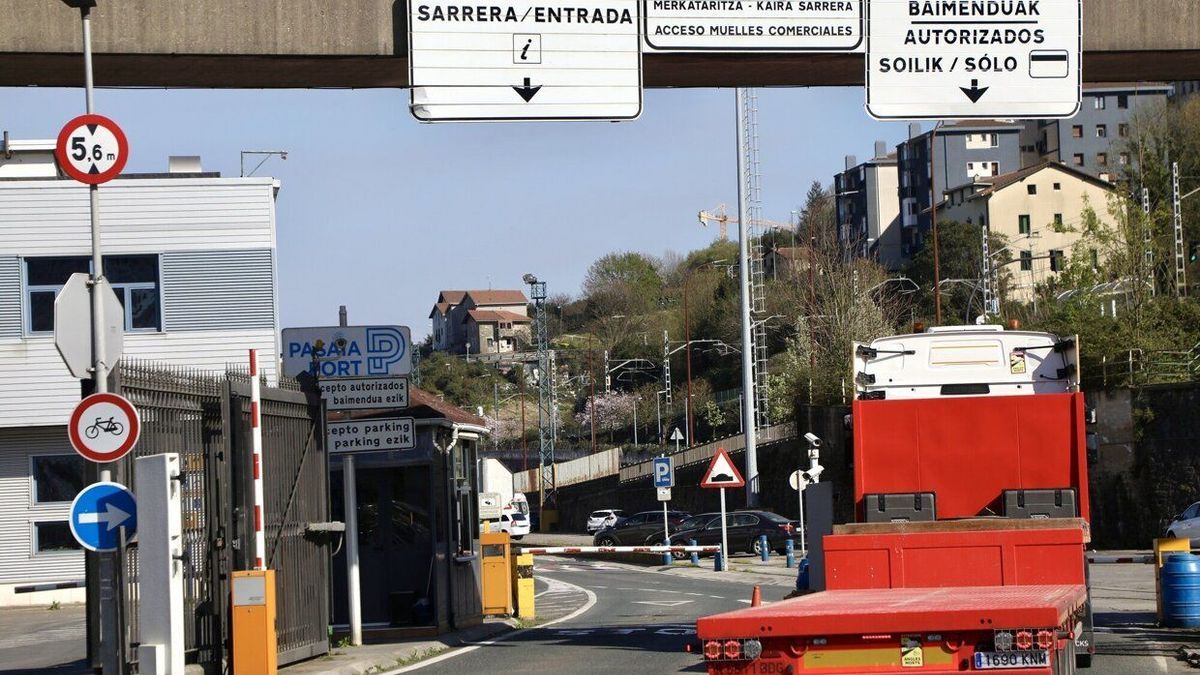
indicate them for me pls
(716, 597)
(591, 601)
(698, 595)
(664, 603)
(1162, 663)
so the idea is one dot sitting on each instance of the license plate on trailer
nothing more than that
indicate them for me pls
(1000, 660)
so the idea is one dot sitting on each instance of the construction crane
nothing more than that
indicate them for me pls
(722, 219)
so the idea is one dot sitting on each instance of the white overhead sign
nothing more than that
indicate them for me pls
(365, 393)
(520, 60)
(737, 26)
(347, 351)
(372, 435)
(957, 59)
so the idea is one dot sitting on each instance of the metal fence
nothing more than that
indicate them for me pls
(204, 418)
(1137, 367)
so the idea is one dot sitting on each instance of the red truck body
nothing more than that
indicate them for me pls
(973, 421)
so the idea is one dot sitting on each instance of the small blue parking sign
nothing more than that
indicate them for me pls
(99, 512)
(664, 472)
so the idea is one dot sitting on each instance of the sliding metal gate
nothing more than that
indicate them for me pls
(204, 417)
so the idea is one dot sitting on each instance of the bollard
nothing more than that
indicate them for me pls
(695, 554)
(718, 562)
(667, 560)
(802, 579)
(790, 548)
(764, 547)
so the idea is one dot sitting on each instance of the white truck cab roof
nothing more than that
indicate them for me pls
(965, 361)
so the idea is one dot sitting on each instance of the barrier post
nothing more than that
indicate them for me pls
(695, 554)
(764, 547)
(790, 550)
(667, 557)
(719, 562)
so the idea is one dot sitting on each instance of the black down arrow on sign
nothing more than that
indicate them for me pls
(527, 92)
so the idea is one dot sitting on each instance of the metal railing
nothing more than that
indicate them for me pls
(1138, 367)
(703, 453)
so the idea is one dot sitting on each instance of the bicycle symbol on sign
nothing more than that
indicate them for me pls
(110, 426)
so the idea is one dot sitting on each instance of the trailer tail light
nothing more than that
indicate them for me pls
(1045, 639)
(733, 649)
(752, 649)
(1024, 639)
(1003, 640)
(712, 649)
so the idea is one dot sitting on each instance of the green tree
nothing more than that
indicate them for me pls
(960, 247)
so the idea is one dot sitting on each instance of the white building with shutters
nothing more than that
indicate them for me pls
(191, 255)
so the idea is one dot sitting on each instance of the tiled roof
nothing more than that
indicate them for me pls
(440, 308)
(503, 297)
(493, 315)
(1004, 180)
(424, 405)
(451, 297)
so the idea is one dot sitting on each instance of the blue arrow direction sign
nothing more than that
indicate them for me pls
(99, 512)
(664, 472)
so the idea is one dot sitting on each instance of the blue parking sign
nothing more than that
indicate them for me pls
(99, 512)
(664, 472)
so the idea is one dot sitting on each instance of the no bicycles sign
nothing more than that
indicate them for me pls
(104, 427)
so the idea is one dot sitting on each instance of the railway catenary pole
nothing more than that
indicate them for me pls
(748, 394)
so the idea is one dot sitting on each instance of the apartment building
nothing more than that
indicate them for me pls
(480, 321)
(868, 210)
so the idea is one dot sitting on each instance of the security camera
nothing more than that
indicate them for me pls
(812, 439)
(815, 473)
(341, 343)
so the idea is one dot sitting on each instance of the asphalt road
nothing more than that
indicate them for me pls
(640, 621)
(39, 640)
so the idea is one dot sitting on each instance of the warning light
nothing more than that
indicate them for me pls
(1024, 639)
(712, 649)
(1045, 639)
(1003, 641)
(733, 649)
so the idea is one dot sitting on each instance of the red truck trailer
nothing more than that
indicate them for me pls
(970, 481)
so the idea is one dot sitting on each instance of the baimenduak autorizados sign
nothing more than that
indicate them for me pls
(347, 351)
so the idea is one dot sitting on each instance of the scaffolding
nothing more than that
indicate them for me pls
(547, 421)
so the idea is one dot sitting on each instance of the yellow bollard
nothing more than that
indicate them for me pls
(254, 639)
(495, 576)
(522, 580)
(1162, 548)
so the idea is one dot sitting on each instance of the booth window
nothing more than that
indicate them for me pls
(466, 526)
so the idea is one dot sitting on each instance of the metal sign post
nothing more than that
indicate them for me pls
(722, 474)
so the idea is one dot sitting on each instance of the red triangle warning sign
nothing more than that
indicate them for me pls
(722, 473)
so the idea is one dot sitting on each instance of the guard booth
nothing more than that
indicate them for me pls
(418, 526)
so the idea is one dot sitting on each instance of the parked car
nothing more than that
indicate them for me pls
(515, 523)
(603, 518)
(744, 529)
(1186, 525)
(639, 529)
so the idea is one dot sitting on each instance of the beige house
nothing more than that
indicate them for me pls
(480, 321)
(1037, 209)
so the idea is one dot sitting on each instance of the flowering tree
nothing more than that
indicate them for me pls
(613, 411)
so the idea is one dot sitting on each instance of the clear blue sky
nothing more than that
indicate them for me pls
(378, 212)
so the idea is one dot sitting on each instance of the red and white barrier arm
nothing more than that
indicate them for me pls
(551, 550)
(260, 536)
(1146, 559)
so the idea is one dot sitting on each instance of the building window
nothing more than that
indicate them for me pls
(1023, 224)
(53, 537)
(1058, 186)
(1124, 158)
(1123, 129)
(1026, 261)
(1031, 188)
(1078, 159)
(1058, 221)
(1102, 158)
(134, 278)
(1077, 131)
(1057, 261)
(1123, 101)
(1099, 102)
(56, 478)
(1101, 131)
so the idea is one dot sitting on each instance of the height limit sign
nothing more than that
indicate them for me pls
(965, 59)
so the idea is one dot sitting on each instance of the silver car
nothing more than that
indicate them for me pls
(1186, 525)
(603, 518)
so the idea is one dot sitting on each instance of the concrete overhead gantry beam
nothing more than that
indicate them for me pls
(362, 43)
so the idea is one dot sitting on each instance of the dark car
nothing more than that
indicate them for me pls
(744, 529)
(639, 529)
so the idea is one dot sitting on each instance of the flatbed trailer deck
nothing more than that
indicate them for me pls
(899, 630)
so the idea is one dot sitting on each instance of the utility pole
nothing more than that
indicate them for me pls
(933, 201)
(748, 393)
(546, 400)
(687, 354)
(1180, 264)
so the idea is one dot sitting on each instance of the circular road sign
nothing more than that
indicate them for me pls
(99, 512)
(104, 427)
(92, 149)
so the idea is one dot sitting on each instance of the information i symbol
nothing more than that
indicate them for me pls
(527, 48)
